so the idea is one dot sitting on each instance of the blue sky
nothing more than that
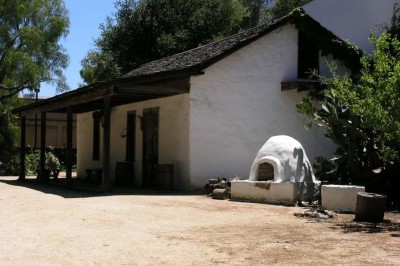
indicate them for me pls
(85, 18)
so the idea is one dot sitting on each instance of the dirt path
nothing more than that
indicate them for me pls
(47, 225)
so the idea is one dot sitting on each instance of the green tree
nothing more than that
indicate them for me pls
(29, 48)
(394, 27)
(362, 116)
(8, 134)
(281, 8)
(376, 96)
(146, 30)
(98, 66)
(254, 8)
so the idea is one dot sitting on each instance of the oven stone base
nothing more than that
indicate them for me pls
(272, 192)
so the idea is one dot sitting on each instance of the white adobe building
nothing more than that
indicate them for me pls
(205, 111)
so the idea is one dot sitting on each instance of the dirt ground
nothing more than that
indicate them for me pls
(41, 224)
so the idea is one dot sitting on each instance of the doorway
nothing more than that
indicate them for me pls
(150, 146)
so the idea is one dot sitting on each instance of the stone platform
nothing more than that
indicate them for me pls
(268, 192)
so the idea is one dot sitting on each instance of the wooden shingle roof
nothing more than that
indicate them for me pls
(201, 57)
(197, 59)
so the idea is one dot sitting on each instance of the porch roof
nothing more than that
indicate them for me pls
(120, 91)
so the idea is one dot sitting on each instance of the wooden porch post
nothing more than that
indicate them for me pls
(23, 149)
(106, 143)
(42, 175)
(68, 160)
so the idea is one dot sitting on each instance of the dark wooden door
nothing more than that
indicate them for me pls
(150, 146)
(130, 136)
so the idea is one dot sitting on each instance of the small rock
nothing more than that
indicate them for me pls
(313, 214)
(331, 214)
(323, 216)
(299, 214)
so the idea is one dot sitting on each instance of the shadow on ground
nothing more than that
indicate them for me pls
(53, 188)
(387, 226)
(83, 189)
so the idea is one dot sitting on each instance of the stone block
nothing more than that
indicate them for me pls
(340, 198)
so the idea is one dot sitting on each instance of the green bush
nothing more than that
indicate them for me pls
(11, 167)
(52, 162)
(32, 161)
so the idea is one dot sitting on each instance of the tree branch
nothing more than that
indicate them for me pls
(14, 90)
(22, 86)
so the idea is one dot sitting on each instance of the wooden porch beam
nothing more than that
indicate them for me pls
(105, 185)
(68, 160)
(23, 149)
(42, 146)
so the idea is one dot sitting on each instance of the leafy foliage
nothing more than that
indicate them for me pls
(29, 48)
(394, 27)
(281, 8)
(255, 9)
(362, 117)
(32, 161)
(98, 66)
(8, 130)
(11, 167)
(376, 96)
(356, 156)
(52, 162)
(146, 30)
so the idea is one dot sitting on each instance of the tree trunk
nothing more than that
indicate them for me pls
(370, 207)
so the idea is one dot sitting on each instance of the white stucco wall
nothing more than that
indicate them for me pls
(238, 104)
(173, 138)
(352, 19)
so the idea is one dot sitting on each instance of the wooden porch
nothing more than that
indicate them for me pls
(100, 96)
